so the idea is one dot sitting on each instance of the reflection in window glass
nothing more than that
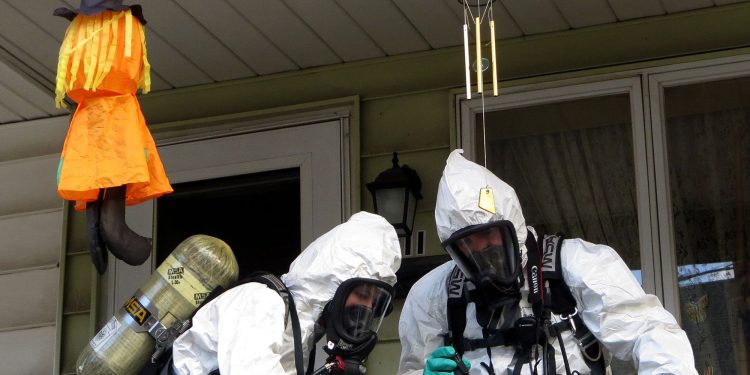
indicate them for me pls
(709, 158)
(571, 164)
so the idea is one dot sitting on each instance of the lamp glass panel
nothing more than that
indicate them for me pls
(391, 204)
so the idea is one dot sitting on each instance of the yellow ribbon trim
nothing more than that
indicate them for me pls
(62, 64)
(102, 58)
(91, 51)
(145, 83)
(111, 50)
(128, 34)
(92, 42)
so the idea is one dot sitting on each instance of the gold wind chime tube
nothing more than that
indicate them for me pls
(494, 58)
(479, 65)
(479, 54)
(466, 61)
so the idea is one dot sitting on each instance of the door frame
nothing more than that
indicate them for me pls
(121, 280)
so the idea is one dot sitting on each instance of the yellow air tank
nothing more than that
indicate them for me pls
(168, 298)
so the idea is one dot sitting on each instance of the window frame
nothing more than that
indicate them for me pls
(646, 87)
(120, 280)
(657, 83)
(526, 96)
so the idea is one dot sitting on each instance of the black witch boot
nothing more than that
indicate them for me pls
(120, 239)
(96, 244)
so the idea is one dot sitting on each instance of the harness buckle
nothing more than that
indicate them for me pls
(570, 320)
(587, 341)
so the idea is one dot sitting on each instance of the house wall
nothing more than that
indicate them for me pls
(31, 237)
(406, 104)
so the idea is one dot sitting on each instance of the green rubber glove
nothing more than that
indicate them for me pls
(442, 361)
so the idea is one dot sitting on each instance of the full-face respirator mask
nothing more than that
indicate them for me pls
(489, 256)
(352, 319)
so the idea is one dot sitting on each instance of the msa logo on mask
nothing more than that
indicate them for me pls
(549, 253)
(456, 284)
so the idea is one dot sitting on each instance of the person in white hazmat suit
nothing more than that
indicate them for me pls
(242, 331)
(609, 301)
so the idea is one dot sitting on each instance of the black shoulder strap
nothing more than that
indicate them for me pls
(559, 299)
(554, 295)
(274, 283)
(456, 310)
(536, 280)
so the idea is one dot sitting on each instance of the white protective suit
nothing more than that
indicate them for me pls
(631, 324)
(242, 331)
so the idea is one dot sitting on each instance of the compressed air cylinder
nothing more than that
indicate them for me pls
(171, 294)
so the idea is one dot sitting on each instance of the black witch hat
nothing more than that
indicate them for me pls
(94, 7)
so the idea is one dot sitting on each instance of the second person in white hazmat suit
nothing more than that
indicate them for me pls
(630, 324)
(242, 331)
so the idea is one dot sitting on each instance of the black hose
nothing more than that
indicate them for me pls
(125, 244)
(97, 248)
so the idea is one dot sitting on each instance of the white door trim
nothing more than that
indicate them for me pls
(320, 150)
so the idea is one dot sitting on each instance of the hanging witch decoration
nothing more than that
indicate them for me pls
(109, 158)
(484, 11)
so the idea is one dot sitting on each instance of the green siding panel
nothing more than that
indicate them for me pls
(76, 235)
(75, 336)
(414, 121)
(78, 290)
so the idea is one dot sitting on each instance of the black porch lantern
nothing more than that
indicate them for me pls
(394, 193)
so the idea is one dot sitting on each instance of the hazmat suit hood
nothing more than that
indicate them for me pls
(457, 205)
(243, 331)
(365, 246)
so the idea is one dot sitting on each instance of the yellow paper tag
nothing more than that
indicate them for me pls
(487, 200)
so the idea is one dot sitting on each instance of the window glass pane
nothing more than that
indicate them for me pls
(709, 159)
(571, 164)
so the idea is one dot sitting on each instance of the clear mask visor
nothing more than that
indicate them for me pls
(364, 309)
(489, 251)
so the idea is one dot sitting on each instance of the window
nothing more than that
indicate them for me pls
(667, 187)
(570, 154)
(706, 127)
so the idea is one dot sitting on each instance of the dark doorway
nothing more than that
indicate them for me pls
(257, 215)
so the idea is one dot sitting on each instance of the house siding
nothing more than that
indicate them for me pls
(31, 236)
(406, 105)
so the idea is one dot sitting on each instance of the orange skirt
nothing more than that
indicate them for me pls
(108, 145)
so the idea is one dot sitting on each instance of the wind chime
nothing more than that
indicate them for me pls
(483, 13)
(477, 12)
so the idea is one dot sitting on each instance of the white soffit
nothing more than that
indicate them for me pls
(631, 9)
(582, 13)
(196, 42)
(536, 16)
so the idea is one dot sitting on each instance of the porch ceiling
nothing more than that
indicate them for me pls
(194, 42)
